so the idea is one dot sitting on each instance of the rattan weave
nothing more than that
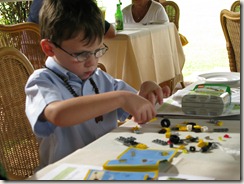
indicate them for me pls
(173, 12)
(236, 6)
(230, 22)
(102, 67)
(26, 38)
(18, 145)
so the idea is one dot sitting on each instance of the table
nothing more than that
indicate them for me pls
(216, 164)
(222, 163)
(145, 52)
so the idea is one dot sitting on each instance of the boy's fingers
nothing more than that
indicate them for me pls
(152, 98)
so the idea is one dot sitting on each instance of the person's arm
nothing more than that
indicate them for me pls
(162, 14)
(80, 109)
(153, 92)
(34, 11)
(109, 30)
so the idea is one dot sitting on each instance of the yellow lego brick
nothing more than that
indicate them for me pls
(220, 123)
(152, 120)
(188, 137)
(182, 128)
(184, 151)
(141, 146)
(201, 143)
(167, 134)
(197, 126)
(182, 147)
(167, 129)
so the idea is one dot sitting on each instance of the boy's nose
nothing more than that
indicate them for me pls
(92, 60)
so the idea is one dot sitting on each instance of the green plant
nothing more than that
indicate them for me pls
(14, 12)
(3, 174)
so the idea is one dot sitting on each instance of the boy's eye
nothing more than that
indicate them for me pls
(82, 54)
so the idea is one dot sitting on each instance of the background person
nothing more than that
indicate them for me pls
(34, 17)
(144, 11)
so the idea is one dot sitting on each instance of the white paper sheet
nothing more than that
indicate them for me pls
(69, 172)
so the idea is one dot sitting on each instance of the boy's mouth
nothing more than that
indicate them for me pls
(87, 74)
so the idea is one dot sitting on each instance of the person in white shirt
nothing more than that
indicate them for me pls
(144, 11)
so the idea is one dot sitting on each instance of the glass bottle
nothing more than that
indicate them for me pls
(119, 25)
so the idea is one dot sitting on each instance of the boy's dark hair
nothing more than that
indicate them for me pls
(63, 19)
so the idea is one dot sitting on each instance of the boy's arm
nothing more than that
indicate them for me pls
(80, 109)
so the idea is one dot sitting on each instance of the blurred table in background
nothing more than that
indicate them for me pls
(145, 52)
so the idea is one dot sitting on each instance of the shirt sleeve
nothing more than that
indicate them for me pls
(107, 83)
(39, 93)
(162, 15)
(34, 11)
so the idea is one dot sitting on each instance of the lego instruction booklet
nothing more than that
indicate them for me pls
(67, 171)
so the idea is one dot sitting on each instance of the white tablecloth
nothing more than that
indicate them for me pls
(145, 52)
(222, 163)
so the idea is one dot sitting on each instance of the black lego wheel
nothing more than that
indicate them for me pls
(165, 122)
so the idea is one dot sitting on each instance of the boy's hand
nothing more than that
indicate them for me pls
(166, 91)
(140, 108)
(153, 92)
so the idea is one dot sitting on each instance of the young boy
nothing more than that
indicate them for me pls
(70, 102)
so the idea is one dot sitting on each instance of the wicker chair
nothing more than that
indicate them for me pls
(102, 67)
(236, 6)
(26, 38)
(173, 12)
(230, 22)
(19, 153)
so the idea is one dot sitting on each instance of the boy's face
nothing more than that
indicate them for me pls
(79, 58)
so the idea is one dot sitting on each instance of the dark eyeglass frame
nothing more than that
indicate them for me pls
(86, 54)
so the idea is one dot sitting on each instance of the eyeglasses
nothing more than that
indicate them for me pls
(83, 56)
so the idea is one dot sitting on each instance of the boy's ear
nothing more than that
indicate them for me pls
(47, 47)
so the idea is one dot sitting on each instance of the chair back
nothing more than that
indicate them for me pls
(102, 67)
(236, 6)
(173, 12)
(26, 38)
(230, 22)
(19, 153)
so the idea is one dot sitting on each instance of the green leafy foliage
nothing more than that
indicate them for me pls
(14, 12)
(3, 175)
